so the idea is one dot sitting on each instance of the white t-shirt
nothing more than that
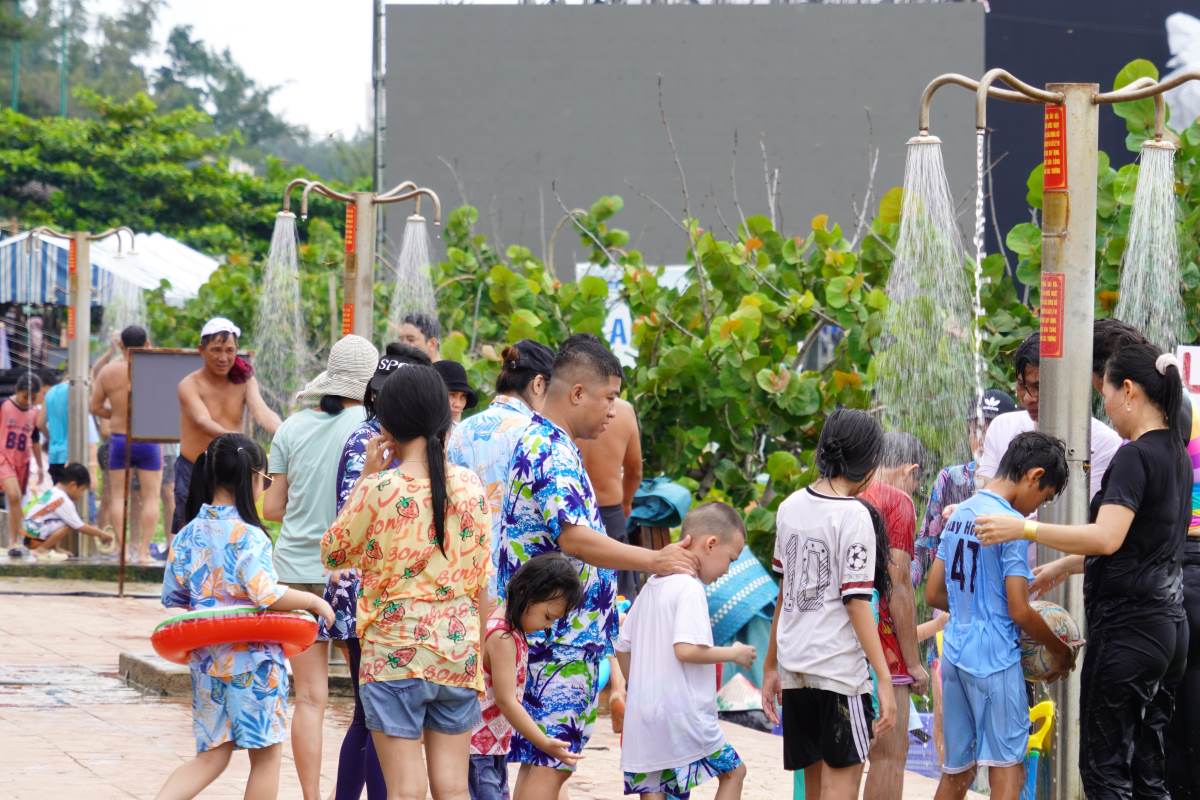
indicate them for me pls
(671, 714)
(1006, 427)
(825, 551)
(48, 511)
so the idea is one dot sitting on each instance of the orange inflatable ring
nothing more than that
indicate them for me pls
(174, 639)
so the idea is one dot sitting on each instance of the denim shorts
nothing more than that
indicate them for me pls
(487, 777)
(406, 707)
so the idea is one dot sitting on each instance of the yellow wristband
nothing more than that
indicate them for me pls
(1030, 531)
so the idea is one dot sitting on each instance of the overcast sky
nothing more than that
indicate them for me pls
(318, 51)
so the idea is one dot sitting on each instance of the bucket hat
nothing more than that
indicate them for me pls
(455, 376)
(351, 363)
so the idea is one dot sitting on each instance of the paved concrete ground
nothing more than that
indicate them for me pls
(69, 728)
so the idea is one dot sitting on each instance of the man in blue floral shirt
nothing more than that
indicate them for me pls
(550, 506)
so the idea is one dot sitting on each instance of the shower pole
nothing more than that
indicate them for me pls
(79, 327)
(358, 271)
(1067, 314)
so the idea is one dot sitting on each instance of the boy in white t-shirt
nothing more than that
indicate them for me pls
(50, 515)
(673, 740)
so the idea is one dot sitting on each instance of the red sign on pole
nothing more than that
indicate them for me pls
(347, 319)
(72, 277)
(351, 227)
(1052, 314)
(1054, 151)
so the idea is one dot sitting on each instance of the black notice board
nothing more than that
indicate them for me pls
(154, 375)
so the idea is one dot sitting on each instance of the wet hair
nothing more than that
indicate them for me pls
(229, 462)
(515, 379)
(718, 519)
(134, 336)
(1138, 362)
(539, 580)
(75, 473)
(1108, 336)
(902, 449)
(413, 403)
(582, 354)
(1031, 450)
(883, 552)
(427, 324)
(850, 446)
(29, 383)
(1028, 354)
(218, 338)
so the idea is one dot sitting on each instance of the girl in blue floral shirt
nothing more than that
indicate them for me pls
(221, 559)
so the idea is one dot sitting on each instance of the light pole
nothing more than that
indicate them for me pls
(358, 275)
(1071, 145)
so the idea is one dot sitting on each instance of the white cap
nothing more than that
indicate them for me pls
(220, 325)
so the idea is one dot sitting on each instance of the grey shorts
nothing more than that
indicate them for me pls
(406, 707)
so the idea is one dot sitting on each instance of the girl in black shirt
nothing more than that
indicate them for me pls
(1131, 557)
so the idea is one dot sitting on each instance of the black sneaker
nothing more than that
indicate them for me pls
(16, 552)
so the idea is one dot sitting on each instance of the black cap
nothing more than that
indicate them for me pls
(455, 376)
(995, 403)
(395, 356)
(530, 355)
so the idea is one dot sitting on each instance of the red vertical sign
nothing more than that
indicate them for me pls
(351, 227)
(72, 278)
(1054, 151)
(347, 319)
(1052, 314)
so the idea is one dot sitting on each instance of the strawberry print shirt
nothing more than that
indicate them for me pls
(418, 610)
(493, 735)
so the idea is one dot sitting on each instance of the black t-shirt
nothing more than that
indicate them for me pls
(1143, 579)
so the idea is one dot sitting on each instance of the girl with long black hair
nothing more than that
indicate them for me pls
(1131, 558)
(419, 533)
(222, 558)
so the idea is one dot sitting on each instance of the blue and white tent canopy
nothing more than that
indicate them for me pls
(33, 268)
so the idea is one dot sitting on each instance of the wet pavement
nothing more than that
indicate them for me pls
(70, 728)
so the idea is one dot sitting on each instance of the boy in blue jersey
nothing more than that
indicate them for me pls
(986, 591)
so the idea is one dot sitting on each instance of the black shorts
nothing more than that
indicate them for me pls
(820, 725)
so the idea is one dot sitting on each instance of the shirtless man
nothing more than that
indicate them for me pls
(214, 400)
(614, 463)
(110, 401)
(422, 331)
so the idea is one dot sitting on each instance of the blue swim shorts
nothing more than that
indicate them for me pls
(985, 720)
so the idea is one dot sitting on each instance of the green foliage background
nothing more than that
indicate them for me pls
(725, 404)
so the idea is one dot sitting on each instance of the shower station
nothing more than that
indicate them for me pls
(79, 326)
(358, 277)
(1071, 145)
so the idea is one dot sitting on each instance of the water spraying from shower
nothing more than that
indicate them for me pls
(1149, 293)
(280, 340)
(413, 290)
(924, 368)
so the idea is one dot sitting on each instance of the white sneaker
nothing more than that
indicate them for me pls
(55, 555)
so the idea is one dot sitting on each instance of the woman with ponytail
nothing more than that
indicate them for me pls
(1131, 558)
(419, 533)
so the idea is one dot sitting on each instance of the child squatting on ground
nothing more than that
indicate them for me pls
(986, 591)
(51, 515)
(825, 548)
(673, 740)
(222, 558)
(541, 591)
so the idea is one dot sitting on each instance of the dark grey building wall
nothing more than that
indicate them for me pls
(520, 97)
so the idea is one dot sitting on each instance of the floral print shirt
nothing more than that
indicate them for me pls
(484, 443)
(549, 489)
(953, 485)
(219, 561)
(354, 457)
(418, 609)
